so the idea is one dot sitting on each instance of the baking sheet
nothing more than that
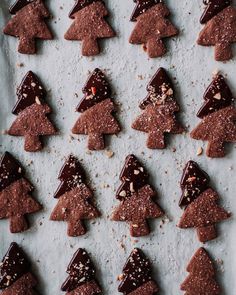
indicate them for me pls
(63, 71)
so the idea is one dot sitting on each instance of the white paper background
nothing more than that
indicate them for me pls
(62, 69)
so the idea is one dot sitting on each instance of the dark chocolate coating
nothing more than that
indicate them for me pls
(18, 5)
(142, 6)
(14, 265)
(10, 170)
(71, 176)
(217, 96)
(28, 92)
(96, 89)
(194, 181)
(81, 270)
(157, 87)
(80, 4)
(213, 8)
(133, 177)
(137, 271)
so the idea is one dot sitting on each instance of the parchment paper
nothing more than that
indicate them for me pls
(63, 71)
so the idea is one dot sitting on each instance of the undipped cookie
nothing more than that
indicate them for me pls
(89, 25)
(136, 278)
(28, 24)
(15, 275)
(32, 112)
(15, 194)
(137, 198)
(219, 18)
(81, 279)
(152, 26)
(218, 116)
(160, 108)
(97, 111)
(202, 276)
(74, 198)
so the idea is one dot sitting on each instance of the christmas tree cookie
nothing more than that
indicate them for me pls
(137, 198)
(81, 279)
(152, 26)
(15, 194)
(218, 115)
(200, 201)
(28, 24)
(15, 275)
(89, 25)
(219, 19)
(202, 275)
(137, 278)
(32, 112)
(75, 199)
(97, 118)
(159, 111)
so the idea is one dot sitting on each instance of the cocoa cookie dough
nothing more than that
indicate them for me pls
(75, 199)
(28, 24)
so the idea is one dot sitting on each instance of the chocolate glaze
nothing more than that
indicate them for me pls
(71, 176)
(14, 265)
(213, 8)
(18, 5)
(81, 270)
(80, 4)
(142, 6)
(137, 271)
(28, 92)
(194, 181)
(217, 96)
(133, 177)
(160, 88)
(10, 170)
(96, 90)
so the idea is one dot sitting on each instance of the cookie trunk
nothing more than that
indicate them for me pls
(18, 224)
(223, 51)
(26, 45)
(139, 228)
(76, 228)
(215, 149)
(32, 143)
(155, 48)
(96, 142)
(156, 140)
(206, 233)
(90, 47)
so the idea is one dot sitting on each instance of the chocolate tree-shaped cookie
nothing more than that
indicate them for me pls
(202, 211)
(81, 279)
(219, 18)
(15, 275)
(32, 112)
(97, 111)
(74, 198)
(15, 194)
(137, 198)
(202, 276)
(218, 116)
(28, 24)
(159, 112)
(152, 26)
(137, 275)
(89, 25)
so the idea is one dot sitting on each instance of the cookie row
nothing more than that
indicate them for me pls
(136, 278)
(137, 199)
(158, 117)
(152, 26)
